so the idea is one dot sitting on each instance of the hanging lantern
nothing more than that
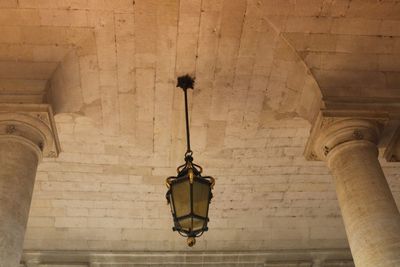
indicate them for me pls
(189, 193)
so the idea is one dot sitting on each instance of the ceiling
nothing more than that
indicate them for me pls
(109, 68)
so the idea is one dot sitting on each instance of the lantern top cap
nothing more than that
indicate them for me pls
(185, 82)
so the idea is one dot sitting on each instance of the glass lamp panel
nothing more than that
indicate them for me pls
(190, 224)
(186, 224)
(201, 196)
(181, 197)
(198, 224)
(171, 203)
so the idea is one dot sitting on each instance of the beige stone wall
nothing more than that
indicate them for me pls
(107, 193)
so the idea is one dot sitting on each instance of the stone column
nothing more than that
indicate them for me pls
(370, 214)
(27, 133)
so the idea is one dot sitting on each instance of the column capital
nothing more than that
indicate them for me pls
(32, 124)
(333, 128)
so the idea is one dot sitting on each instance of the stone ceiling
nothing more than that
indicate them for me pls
(109, 67)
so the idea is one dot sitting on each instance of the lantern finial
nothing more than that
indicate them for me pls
(191, 241)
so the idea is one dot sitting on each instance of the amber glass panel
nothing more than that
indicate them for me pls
(198, 224)
(171, 203)
(186, 224)
(191, 224)
(201, 195)
(181, 197)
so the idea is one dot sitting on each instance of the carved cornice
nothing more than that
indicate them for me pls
(33, 123)
(386, 104)
(334, 127)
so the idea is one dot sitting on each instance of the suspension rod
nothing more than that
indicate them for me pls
(187, 121)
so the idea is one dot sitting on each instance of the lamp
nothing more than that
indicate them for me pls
(189, 193)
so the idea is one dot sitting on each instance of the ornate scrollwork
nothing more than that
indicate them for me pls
(313, 156)
(326, 150)
(51, 154)
(326, 122)
(358, 135)
(10, 129)
(43, 118)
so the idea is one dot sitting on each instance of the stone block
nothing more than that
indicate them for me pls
(119, 6)
(356, 26)
(280, 8)
(71, 222)
(390, 28)
(77, 212)
(354, 61)
(364, 44)
(41, 222)
(19, 17)
(390, 63)
(11, 34)
(364, 9)
(107, 222)
(8, 3)
(307, 8)
(74, 18)
(27, 70)
(309, 24)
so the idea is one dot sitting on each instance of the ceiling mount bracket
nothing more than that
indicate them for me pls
(185, 82)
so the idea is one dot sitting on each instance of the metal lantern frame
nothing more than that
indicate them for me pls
(191, 174)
